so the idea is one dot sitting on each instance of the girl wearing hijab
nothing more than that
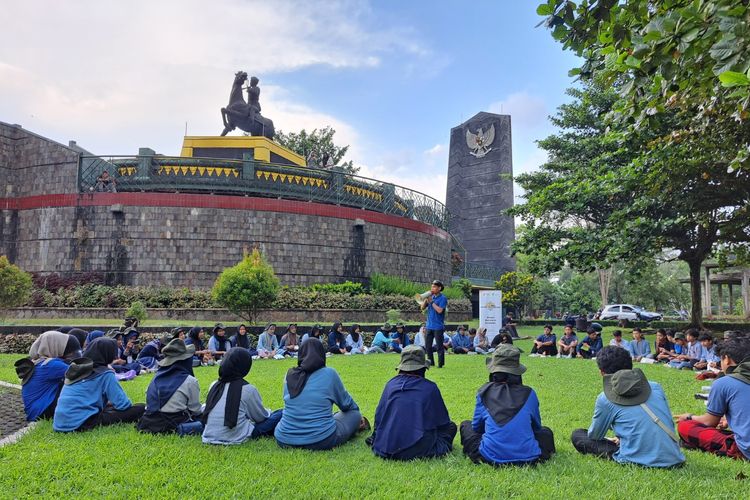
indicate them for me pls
(173, 396)
(218, 344)
(234, 409)
(242, 339)
(290, 341)
(92, 335)
(91, 395)
(42, 374)
(195, 338)
(336, 339)
(149, 356)
(310, 390)
(268, 344)
(315, 332)
(354, 342)
(481, 343)
(507, 427)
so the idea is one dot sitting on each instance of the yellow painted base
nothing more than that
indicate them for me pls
(262, 147)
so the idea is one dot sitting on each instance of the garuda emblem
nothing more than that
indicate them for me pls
(480, 143)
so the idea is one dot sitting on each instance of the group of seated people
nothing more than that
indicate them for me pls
(568, 346)
(79, 391)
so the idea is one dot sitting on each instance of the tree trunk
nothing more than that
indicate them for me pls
(696, 311)
(605, 278)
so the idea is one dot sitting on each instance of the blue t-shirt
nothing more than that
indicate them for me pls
(43, 387)
(308, 418)
(435, 320)
(514, 441)
(459, 340)
(731, 397)
(547, 338)
(83, 399)
(642, 441)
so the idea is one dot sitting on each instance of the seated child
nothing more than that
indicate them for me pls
(289, 341)
(268, 343)
(618, 341)
(234, 410)
(92, 396)
(591, 344)
(461, 342)
(507, 426)
(692, 353)
(481, 343)
(663, 348)
(42, 373)
(354, 341)
(400, 338)
(728, 407)
(310, 390)
(173, 396)
(545, 344)
(337, 339)
(639, 347)
(638, 413)
(568, 343)
(411, 420)
(709, 360)
(381, 341)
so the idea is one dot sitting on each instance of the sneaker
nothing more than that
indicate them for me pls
(534, 355)
(570, 356)
(558, 356)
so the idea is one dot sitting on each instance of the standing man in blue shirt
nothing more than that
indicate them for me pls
(638, 413)
(435, 305)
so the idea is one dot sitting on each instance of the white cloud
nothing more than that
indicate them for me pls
(119, 75)
(526, 110)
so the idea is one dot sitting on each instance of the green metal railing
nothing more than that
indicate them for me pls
(156, 173)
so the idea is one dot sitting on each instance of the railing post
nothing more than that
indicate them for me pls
(337, 183)
(248, 167)
(389, 198)
(145, 159)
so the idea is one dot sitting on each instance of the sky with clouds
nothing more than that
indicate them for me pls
(392, 77)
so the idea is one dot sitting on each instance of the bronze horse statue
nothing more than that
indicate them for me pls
(245, 115)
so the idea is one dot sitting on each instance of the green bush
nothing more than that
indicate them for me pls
(137, 310)
(347, 287)
(393, 285)
(464, 285)
(15, 284)
(247, 287)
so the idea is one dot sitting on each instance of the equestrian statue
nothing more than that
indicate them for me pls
(246, 115)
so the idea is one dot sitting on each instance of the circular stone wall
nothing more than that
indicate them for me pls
(187, 239)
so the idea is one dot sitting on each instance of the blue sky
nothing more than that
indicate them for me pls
(392, 77)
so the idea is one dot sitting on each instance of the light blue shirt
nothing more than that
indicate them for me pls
(640, 348)
(642, 441)
(709, 355)
(308, 418)
(83, 399)
(268, 342)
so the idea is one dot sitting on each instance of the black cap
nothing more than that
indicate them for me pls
(440, 284)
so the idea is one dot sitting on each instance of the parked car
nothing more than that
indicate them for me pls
(629, 312)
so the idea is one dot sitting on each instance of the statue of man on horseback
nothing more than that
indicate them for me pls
(245, 115)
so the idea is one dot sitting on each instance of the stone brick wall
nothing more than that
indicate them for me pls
(187, 245)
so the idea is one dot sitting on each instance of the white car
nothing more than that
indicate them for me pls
(629, 312)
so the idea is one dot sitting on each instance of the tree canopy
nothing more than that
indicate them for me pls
(318, 148)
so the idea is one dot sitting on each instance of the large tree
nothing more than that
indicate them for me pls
(318, 148)
(669, 60)
(571, 198)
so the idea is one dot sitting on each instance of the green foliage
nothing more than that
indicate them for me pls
(137, 310)
(518, 289)
(464, 285)
(15, 284)
(739, 307)
(317, 147)
(247, 287)
(347, 287)
(394, 285)
(393, 316)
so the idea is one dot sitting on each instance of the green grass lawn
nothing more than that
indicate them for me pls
(120, 462)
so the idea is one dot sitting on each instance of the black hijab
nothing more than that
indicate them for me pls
(503, 396)
(234, 367)
(354, 333)
(311, 357)
(78, 334)
(222, 343)
(337, 333)
(194, 335)
(242, 340)
(102, 351)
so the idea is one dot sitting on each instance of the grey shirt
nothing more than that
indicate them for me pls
(251, 412)
(186, 397)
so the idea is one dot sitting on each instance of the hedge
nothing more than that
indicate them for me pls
(97, 295)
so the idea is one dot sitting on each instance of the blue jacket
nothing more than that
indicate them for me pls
(514, 441)
(594, 346)
(43, 387)
(332, 341)
(83, 399)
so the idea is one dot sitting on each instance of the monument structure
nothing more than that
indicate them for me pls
(179, 221)
(480, 187)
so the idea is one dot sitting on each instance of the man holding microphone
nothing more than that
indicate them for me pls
(435, 304)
